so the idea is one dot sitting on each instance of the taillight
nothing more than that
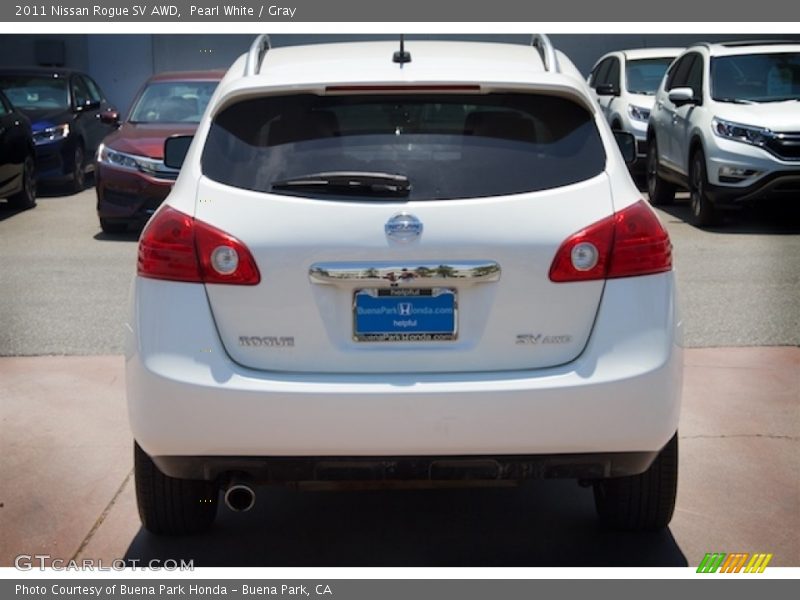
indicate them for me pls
(176, 247)
(629, 243)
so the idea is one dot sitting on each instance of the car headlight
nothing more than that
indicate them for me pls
(51, 134)
(749, 134)
(638, 113)
(123, 160)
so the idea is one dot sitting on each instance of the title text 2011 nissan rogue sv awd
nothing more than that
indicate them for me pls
(402, 265)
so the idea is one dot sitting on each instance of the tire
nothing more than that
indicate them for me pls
(113, 226)
(78, 182)
(170, 506)
(702, 211)
(662, 193)
(642, 502)
(26, 197)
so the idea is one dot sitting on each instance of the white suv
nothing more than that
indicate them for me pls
(625, 84)
(393, 265)
(726, 125)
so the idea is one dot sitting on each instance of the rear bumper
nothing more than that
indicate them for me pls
(186, 398)
(395, 469)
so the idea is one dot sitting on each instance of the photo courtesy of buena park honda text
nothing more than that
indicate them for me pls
(344, 299)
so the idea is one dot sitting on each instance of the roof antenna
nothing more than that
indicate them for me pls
(402, 56)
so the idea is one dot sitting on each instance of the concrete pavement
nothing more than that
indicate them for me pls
(65, 464)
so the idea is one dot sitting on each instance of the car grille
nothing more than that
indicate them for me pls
(785, 145)
(163, 172)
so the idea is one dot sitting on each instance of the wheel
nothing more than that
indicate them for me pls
(703, 213)
(78, 182)
(113, 226)
(171, 506)
(26, 197)
(642, 502)
(661, 192)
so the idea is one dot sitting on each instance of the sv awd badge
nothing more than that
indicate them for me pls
(531, 339)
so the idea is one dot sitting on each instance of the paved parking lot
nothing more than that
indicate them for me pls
(65, 456)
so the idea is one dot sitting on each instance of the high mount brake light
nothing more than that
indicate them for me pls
(628, 243)
(177, 247)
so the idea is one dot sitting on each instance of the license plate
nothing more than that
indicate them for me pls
(405, 315)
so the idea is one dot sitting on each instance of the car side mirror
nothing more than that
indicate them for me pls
(175, 149)
(627, 145)
(110, 117)
(88, 105)
(682, 95)
(607, 89)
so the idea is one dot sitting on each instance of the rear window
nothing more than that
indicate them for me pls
(444, 146)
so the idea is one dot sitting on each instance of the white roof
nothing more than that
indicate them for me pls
(315, 67)
(372, 61)
(751, 48)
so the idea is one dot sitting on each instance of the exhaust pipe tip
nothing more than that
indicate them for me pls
(240, 497)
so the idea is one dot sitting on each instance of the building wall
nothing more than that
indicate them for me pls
(121, 62)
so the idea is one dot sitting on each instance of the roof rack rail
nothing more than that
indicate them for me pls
(258, 49)
(545, 48)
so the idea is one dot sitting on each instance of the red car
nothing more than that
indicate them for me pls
(131, 178)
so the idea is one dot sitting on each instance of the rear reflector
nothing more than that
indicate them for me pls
(629, 243)
(176, 247)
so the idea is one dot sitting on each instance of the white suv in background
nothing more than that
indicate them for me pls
(726, 125)
(396, 263)
(625, 84)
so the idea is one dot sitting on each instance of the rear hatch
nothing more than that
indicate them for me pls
(404, 233)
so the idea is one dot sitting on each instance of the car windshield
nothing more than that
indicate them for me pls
(173, 102)
(771, 77)
(35, 91)
(436, 146)
(643, 76)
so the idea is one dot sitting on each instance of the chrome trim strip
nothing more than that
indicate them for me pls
(413, 274)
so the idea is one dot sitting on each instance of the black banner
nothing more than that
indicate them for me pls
(442, 11)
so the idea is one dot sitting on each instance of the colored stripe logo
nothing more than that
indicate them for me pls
(738, 562)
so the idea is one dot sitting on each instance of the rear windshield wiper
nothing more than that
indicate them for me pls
(354, 182)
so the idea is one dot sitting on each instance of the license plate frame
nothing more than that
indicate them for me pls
(441, 326)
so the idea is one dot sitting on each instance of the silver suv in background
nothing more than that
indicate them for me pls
(726, 125)
(625, 84)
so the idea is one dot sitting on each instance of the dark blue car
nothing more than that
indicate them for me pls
(69, 117)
